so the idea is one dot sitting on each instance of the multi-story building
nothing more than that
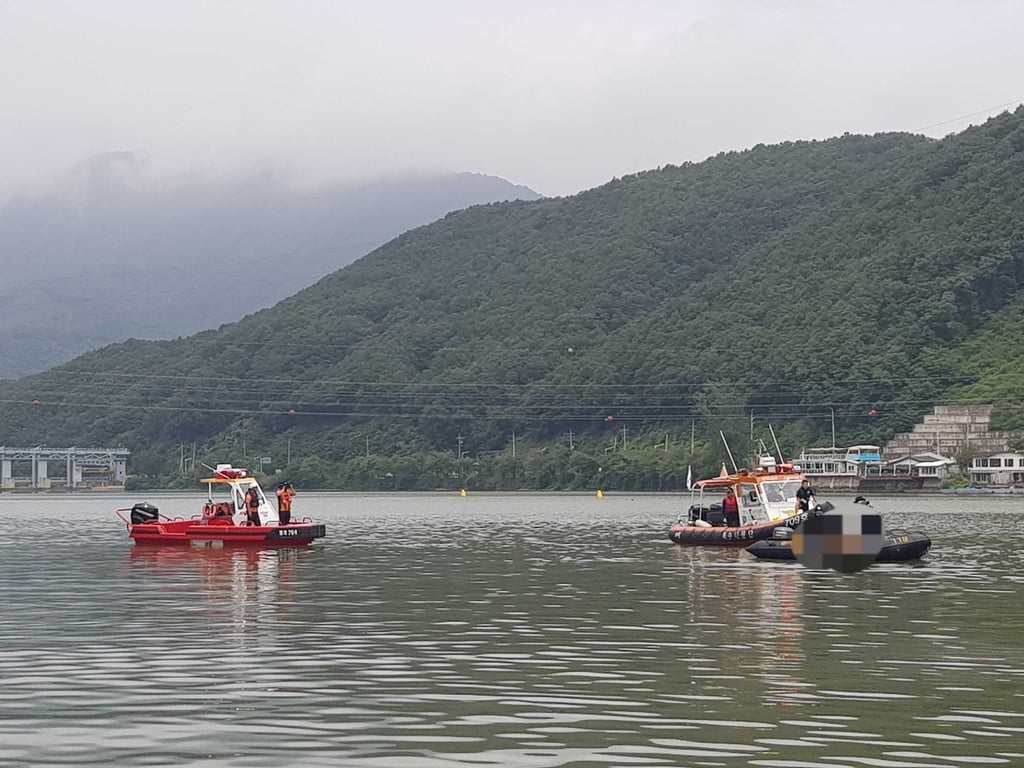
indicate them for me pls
(1004, 469)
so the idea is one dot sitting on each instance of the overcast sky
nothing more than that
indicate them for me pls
(560, 96)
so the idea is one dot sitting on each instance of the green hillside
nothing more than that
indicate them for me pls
(869, 277)
(118, 257)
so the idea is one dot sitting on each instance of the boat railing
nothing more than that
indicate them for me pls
(159, 517)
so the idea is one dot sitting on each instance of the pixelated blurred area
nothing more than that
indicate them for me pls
(841, 541)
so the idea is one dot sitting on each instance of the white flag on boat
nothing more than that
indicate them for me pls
(689, 477)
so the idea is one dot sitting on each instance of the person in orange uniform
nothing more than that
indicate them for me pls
(285, 492)
(731, 508)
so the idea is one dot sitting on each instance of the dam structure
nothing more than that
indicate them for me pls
(62, 469)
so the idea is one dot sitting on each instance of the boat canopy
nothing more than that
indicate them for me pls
(237, 482)
(782, 472)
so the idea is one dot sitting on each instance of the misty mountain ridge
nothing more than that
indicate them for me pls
(113, 255)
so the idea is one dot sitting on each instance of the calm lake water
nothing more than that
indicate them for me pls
(491, 630)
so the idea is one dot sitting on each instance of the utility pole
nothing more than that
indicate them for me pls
(751, 425)
(367, 446)
(289, 451)
(666, 443)
(459, 440)
(513, 443)
(833, 411)
(693, 427)
(623, 437)
(571, 446)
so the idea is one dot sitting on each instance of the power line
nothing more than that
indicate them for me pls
(490, 412)
(725, 386)
(972, 114)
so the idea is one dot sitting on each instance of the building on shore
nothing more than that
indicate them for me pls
(1001, 469)
(840, 468)
(62, 469)
(964, 431)
(855, 461)
(951, 430)
(862, 468)
(921, 458)
(928, 466)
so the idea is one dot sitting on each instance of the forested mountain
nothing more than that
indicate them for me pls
(866, 276)
(113, 256)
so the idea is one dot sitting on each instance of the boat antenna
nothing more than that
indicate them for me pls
(734, 467)
(213, 470)
(776, 441)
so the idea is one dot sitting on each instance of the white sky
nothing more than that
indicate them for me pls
(560, 96)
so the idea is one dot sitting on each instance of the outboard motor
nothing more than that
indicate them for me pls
(144, 513)
(783, 533)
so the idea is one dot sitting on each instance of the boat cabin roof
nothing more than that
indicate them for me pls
(229, 480)
(757, 476)
(225, 473)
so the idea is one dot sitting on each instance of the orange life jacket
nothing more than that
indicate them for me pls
(284, 499)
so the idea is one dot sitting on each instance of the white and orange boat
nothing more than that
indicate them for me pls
(767, 500)
(224, 518)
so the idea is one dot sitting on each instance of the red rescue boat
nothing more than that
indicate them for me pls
(224, 520)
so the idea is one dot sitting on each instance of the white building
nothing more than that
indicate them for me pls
(855, 461)
(998, 469)
(926, 465)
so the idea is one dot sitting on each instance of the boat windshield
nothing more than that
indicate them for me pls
(236, 492)
(780, 491)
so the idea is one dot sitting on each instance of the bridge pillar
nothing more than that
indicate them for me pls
(39, 476)
(6, 475)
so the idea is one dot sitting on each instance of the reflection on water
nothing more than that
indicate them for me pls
(504, 631)
(236, 588)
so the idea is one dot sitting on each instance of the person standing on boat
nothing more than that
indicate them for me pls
(252, 505)
(284, 502)
(731, 508)
(804, 496)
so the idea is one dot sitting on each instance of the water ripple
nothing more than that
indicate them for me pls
(506, 631)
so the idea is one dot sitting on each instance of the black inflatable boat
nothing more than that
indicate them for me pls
(899, 546)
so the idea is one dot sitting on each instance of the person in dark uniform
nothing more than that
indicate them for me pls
(731, 508)
(804, 496)
(252, 505)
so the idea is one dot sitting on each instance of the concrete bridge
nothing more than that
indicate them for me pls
(69, 469)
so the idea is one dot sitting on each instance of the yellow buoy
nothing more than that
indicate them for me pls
(463, 492)
(600, 495)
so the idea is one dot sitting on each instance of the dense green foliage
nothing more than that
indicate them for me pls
(868, 278)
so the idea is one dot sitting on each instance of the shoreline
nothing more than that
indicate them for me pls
(881, 489)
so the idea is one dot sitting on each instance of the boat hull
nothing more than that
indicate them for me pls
(897, 548)
(734, 536)
(193, 533)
